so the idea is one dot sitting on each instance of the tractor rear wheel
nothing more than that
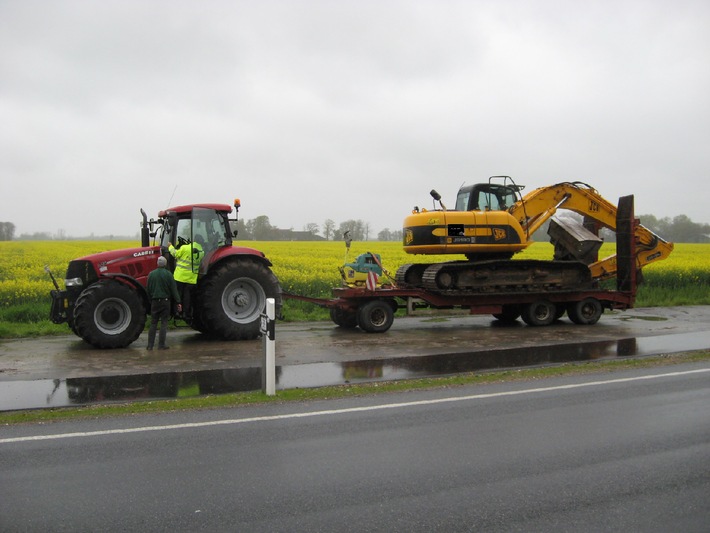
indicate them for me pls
(233, 296)
(109, 314)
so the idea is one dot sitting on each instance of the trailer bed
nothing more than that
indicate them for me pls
(372, 309)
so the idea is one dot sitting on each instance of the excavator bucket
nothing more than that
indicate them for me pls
(573, 241)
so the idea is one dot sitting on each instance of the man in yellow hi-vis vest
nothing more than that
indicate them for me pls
(187, 264)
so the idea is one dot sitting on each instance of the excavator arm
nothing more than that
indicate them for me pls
(538, 206)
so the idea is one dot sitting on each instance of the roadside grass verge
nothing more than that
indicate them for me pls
(235, 400)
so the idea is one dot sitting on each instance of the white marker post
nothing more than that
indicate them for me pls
(268, 332)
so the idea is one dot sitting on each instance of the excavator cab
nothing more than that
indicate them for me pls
(489, 196)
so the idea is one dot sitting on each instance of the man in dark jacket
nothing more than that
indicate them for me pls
(161, 290)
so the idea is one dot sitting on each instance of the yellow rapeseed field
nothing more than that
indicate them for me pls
(311, 268)
(22, 275)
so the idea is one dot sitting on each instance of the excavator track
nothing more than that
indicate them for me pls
(481, 277)
(410, 275)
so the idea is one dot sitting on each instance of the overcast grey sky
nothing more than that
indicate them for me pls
(309, 110)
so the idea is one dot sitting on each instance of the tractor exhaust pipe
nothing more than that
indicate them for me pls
(145, 231)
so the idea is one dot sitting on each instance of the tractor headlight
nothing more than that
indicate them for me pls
(73, 282)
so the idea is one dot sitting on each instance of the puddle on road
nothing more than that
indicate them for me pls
(81, 391)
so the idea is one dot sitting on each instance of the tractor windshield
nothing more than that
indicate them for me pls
(210, 229)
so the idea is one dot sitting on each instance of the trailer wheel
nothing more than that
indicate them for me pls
(540, 313)
(510, 313)
(586, 312)
(109, 314)
(233, 296)
(376, 316)
(343, 318)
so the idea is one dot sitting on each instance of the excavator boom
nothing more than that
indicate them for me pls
(533, 210)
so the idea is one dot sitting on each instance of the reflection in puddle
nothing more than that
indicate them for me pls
(78, 391)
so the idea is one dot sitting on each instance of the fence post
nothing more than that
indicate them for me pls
(268, 332)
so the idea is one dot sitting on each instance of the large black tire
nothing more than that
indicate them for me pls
(343, 318)
(376, 316)
(72, 326)
(586, 312)
(196, 322)
(510, 313)
(540, 313)
(231, 299)
(109, 314)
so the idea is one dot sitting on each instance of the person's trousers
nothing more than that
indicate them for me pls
(185, 290)
(159, 312)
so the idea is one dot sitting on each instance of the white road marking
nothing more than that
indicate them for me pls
(401, 405)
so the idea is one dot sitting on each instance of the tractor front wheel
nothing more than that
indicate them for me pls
(233, 296)
(109, 314)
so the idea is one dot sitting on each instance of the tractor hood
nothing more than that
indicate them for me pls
(116, 257)
(134, 262)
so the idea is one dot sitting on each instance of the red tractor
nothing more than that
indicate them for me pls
(105, 300)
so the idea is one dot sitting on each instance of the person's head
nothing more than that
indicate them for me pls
(162, 262)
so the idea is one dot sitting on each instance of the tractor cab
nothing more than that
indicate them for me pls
(205, 227)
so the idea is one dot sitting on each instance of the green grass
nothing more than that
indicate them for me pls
(235, 400)
(295, 311)
(28, 320)
(654, 296)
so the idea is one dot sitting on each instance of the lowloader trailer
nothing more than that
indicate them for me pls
(539, 298)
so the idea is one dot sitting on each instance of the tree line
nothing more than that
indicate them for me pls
(7, 231)
(676, 229)
(261, 229)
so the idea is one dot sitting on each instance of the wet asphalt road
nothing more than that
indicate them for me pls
(320, 342)
(622, 451)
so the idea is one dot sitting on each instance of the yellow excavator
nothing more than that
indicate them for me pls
(493, 221)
